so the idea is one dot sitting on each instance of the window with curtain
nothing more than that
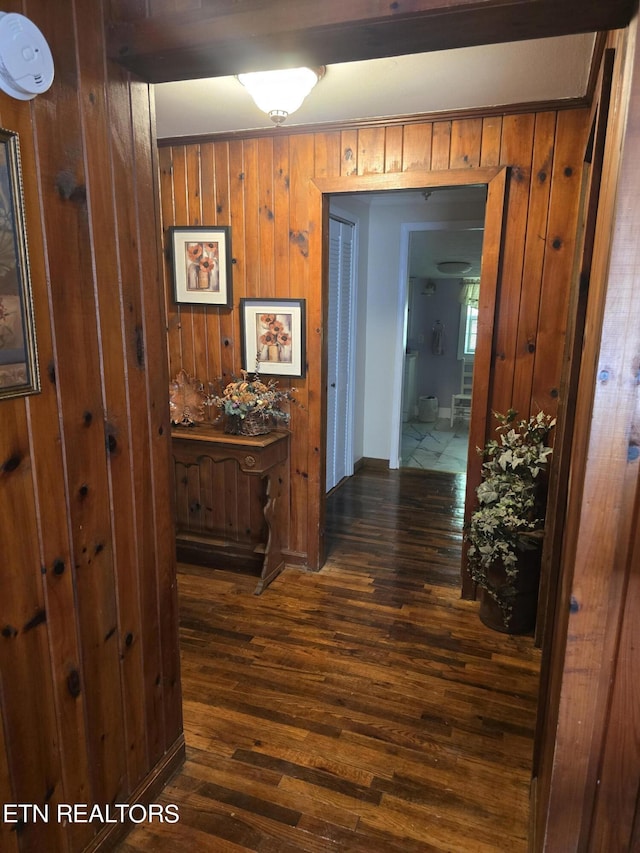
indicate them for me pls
(469, 298)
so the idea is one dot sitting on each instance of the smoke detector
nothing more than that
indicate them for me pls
(26, 64)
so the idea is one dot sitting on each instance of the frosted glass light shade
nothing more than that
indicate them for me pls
(279, 93)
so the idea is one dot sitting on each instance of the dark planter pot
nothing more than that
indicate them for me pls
(525, 600)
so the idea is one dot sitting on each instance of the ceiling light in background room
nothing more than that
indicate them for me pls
(453, 267)
(280, 93)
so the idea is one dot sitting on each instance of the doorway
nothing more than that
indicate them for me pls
(441, 263)
(403, 238)
(384, 359)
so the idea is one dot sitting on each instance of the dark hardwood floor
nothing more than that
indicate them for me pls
(361, 708)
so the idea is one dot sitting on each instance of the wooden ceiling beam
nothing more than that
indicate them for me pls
(229, 36)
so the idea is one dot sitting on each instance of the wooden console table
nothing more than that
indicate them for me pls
(263, 456)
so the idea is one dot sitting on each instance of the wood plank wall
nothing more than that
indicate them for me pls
(90, 701)
(590, 764)
(260, 187)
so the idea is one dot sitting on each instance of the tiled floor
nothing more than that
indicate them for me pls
(435, 446)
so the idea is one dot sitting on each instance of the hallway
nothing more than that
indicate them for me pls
(363, 708)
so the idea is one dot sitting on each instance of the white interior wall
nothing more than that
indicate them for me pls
(385, 225)
(379, 231)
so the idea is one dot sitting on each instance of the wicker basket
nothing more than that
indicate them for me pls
(252, 424)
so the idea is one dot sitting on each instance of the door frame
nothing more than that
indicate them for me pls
(495, 179)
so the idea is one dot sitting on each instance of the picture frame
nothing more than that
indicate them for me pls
(201, 260)
(273, 330)
(19, 373)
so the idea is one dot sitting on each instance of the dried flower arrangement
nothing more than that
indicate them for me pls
(251, 405)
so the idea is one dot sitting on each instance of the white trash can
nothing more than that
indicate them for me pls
(428, 409)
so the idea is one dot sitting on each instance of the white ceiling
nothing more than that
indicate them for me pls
(537, 71)
(449, 225)
(467, 78)
(428, 248)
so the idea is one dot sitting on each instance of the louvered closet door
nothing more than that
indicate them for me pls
(339, 342)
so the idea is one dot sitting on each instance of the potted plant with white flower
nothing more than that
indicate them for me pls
(506, 531)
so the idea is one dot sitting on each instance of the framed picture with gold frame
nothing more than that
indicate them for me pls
(19, 373)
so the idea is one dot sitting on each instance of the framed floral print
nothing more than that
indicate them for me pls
(18, 357)
(201, 259)
(273, 332)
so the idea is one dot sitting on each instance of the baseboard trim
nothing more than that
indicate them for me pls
(374, 463)
(146, 792)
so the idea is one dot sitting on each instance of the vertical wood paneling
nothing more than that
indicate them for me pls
(51, 516)
(285, 251)
(592, 729)
(250, 184)
(8, 835)
(23, 650)
(326, 153)
(392, 151)
(192, 165)
(167, 186)
(81, 391)
(559, 259)
(371, 150)
(84, 465)
(159, 618)
(616, 817)
(116, 273)
(194, 217)
(227, 348)
(150, 427)
(231, 351)
(266, 217)
(282, 284)
(181, 213)
(303, 508)
(416, 147)
(517, 148)
(466, 137)
(349, 152)
(211, 352)
(441, 145)
(534, 255)
(490, 141)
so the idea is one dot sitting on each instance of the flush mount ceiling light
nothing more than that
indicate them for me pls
(280, 93)
(26, 64)
(453, 267)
